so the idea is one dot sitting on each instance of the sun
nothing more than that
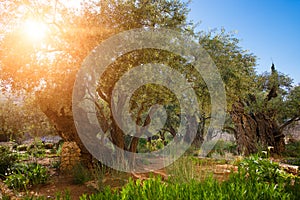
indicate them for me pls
(35, 30)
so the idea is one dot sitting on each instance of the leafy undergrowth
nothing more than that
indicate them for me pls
(292, 153)
(256, 178)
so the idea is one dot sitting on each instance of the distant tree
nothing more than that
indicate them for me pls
(19, 116)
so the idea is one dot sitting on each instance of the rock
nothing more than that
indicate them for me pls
(51, 139)
(70, 156)
(289, 168)
(225, 169)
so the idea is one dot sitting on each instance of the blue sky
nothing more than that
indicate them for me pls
(270, 29)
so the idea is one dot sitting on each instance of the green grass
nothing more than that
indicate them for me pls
(256, 179)
(235, 188)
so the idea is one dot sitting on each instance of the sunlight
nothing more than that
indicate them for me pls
(35, 30)
(73, 4)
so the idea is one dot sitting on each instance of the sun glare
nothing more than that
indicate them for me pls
(73, 4)
(35, 30)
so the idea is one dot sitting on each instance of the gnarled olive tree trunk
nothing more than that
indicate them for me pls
(256, 130)
(58, 109)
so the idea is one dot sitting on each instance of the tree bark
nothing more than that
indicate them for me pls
(256, 131)
(60, 115)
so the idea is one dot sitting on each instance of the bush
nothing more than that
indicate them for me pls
(259, 169)
(7, 160)
(23, 176)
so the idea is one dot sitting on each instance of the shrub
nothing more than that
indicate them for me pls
(259, 169)
(23, 176)
(17, 180)
(7, 160)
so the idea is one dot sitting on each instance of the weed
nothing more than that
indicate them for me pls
(182, 170)
(81, 174)
(99, 174)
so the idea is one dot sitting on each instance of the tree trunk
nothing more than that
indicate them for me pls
(59, 112)
(256, 131)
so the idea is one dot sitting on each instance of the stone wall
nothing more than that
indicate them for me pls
(70, 156)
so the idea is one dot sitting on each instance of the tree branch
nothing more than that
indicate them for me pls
(295, 118)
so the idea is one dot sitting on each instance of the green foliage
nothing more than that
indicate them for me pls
(23, 176)
(292, 161)
(235, 188)
(182, 170)
(293, 102)
(263, 170)
(256, 179)
(81, 174)
(17, 181)
(37, 149)
(17, 118)
(99, 175)
(65, 196)
(155, 145)
(7, 159)
(5, 197)
(56, 164)
(58, 196)
(292, 153)
(59, 148)
(292, 150)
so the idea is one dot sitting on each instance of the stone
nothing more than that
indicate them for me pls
(70, 156)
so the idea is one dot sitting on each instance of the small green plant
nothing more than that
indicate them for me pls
(260, 169)
(182, 170)
(17, 181)
(66, 196)
(99, 174)
(37, 174)
(36, 150)
(59, 148)
(7, 160)
(55, 164)
(22, 176)
(81, 174)
(5, 197)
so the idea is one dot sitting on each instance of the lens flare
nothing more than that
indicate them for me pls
(35, 30)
